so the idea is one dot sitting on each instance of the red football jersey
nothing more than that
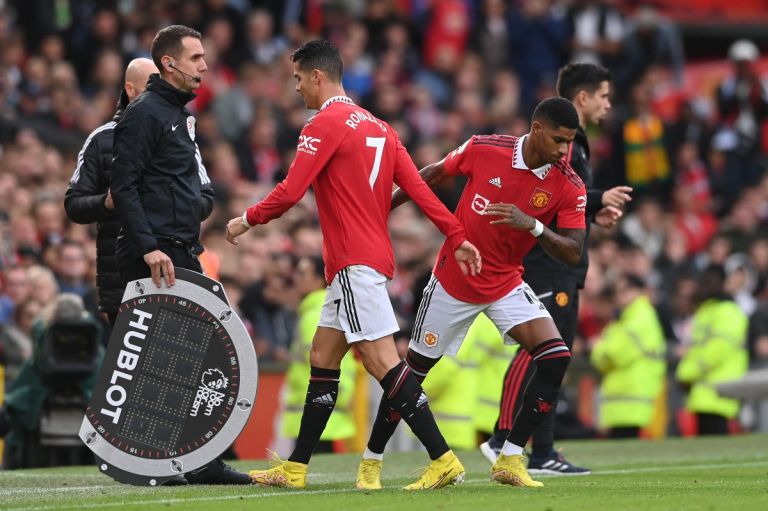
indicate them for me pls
(497, 173)
(351, 159)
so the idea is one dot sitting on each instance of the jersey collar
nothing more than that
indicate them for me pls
(519, 163)
(337, 99)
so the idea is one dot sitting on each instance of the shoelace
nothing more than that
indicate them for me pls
(276, 460)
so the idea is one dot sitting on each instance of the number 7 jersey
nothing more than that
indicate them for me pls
(352, 159)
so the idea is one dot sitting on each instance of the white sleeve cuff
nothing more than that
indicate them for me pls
(245, 220)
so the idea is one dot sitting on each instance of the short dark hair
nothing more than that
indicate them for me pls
(577, 77)
(557, 112)
(634, 281)
(320, 54)
(168, 42)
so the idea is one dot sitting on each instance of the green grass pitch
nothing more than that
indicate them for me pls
(680, 474)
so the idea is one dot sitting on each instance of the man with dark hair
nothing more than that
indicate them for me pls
(89, 199)
(160, 188)
(525, 182)
(352, 159)
(556, 284)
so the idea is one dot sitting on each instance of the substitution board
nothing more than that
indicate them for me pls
(177, 384)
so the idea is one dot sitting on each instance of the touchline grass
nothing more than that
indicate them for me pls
(729, 473)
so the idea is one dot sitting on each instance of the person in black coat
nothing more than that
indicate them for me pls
(88, 198)
(160, 186)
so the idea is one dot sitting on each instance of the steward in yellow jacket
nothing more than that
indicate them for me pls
(630, 355)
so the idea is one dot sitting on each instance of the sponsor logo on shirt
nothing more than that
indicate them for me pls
(308, 144)
(540, 198)
(581, 205)
(430, 339)
(479, 203)
(496, 181)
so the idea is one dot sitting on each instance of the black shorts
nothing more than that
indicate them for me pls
(561, 298)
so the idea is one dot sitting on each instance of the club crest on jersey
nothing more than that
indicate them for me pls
(308, 144)
(191, 127)
(540, 198)
(430, 339)
(561, 298)
(479, 203)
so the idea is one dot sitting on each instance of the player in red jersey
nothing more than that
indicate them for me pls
(352, 159)
(515, 187)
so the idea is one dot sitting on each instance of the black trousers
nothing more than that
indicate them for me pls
(132, 268)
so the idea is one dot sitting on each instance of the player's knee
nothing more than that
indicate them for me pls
(327, 359)
(552, 355)
(420, 364)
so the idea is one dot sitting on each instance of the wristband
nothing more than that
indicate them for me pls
(245, 220)
(538, 229)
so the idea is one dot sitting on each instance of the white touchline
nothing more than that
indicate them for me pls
(288, 493)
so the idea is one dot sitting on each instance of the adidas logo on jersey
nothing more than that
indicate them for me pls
(422, 400)
(325, 399)
(496, 181)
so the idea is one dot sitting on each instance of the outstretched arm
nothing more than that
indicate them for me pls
(433, 174)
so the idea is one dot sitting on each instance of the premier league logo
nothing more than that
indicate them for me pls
(177, 384)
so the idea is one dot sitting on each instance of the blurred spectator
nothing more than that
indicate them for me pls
(639, 146)
(72, 268)
(15, 339)
(630, 357)
(447, 34)
(742, 101)
(263, 46)
(645, 226)
(538, 40)
(717, 353)
(15, 289)
(650, 41)
(597, 29)
(269, 305)
(740, 282)
(490, 37)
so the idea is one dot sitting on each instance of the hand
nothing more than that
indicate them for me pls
(160, 264)
(108, 202)
(469, 258)
(511, 216)
(235, 228)
(617, 196)
(608, 216)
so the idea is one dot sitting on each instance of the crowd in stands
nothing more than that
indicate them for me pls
(438, 72)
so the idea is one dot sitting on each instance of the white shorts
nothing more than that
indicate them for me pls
(357, 303)
(442, 321)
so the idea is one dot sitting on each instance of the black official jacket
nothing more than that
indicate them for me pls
(84, 202)
(538, 264)
(159, 183)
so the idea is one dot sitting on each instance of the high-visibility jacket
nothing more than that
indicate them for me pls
(717, 353)
(487, 349)
(451, 387)
(341, 425)
(630, 354)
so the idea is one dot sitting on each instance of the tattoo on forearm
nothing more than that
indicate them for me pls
(564, 245)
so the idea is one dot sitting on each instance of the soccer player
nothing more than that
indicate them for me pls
(588, 86)
(515, 187)
(351, 158)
